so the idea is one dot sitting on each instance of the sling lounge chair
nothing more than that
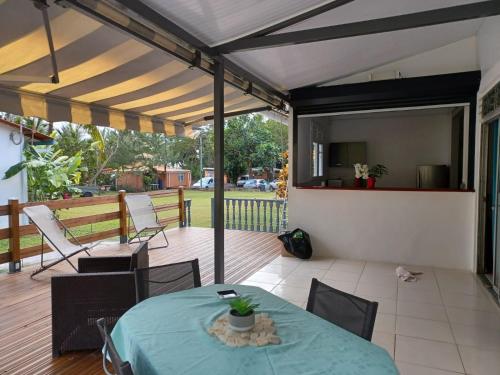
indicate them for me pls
(51, 228)
(144, 219)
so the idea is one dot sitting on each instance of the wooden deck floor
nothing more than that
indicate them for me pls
(25, 316)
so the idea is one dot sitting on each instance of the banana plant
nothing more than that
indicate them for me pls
(50, 174)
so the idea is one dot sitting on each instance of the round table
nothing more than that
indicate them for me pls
(168, 335)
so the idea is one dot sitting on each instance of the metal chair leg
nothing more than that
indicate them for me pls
(165, 236)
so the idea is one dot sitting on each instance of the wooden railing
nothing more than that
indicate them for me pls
(259, 215)
(115, 211)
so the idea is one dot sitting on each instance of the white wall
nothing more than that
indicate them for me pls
(488, 50)
(417, 228)
(14, 187)
(399, 140)
(452, 58)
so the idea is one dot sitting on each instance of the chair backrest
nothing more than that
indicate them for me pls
(141, 210)
(352, 313)
(166, 279)
(140, 257)
(120, 367)
(47, 225)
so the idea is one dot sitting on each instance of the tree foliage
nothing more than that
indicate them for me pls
(96, 146)
(252, 142)
(282, 191)
(49, 172)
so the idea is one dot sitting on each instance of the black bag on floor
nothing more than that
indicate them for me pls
(297, 243)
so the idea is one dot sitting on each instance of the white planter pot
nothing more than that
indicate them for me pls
(241, 323)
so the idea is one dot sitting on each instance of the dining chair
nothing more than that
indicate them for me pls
(109, 351)
(154, 281)
(116, 263)
(354, 314)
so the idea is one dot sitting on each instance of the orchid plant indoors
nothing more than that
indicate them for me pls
(361, 171)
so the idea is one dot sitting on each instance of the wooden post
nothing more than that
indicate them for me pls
(14, 239)
(123, 216)
(182, 213)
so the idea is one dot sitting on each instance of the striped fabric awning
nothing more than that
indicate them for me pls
(106, 77)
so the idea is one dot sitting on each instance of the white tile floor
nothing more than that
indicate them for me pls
(445, 323)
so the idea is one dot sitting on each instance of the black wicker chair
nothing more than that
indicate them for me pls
(352, 313)
(165, 279)
(123, 263)
(120, 367)
(78, 300)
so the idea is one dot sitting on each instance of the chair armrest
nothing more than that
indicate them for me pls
(78, 300)
(104, 264)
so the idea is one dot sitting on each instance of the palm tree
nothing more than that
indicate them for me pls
(105, 150)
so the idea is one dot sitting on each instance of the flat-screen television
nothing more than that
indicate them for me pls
(346, 154)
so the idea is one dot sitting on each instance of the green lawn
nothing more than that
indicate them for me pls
(200, 213)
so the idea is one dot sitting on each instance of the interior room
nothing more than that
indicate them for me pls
(420, 148)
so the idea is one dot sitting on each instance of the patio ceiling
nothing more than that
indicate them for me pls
(127, 81)
(291, 66)
(105, 76)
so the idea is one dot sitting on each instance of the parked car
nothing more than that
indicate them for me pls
(263, 185)
(253, 183)
(242, 180)
(273, 185)
(250, 184)
(204, 183)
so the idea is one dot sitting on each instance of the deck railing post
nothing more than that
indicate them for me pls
(187, 212)
(122, 206)
(14, 239)
(182, 214)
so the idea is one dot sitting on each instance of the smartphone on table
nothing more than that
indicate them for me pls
(227, 294)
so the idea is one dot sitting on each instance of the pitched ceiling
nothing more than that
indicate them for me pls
(218, 21)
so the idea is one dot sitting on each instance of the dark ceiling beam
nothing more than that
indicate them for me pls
(376, 26)
(299, 18)
(427, 90)
(238, 113)
(160, 21)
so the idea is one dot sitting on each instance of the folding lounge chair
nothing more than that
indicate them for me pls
(51, 228)
(144, 218)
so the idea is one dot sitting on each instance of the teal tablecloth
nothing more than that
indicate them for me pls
(168, 335)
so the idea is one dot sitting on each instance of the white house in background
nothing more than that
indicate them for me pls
(12, 140)
(399, 221)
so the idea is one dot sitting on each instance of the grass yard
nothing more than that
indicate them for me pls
(200, 213)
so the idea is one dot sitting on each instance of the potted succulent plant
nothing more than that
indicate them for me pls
(242, 314)
(377, 171)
